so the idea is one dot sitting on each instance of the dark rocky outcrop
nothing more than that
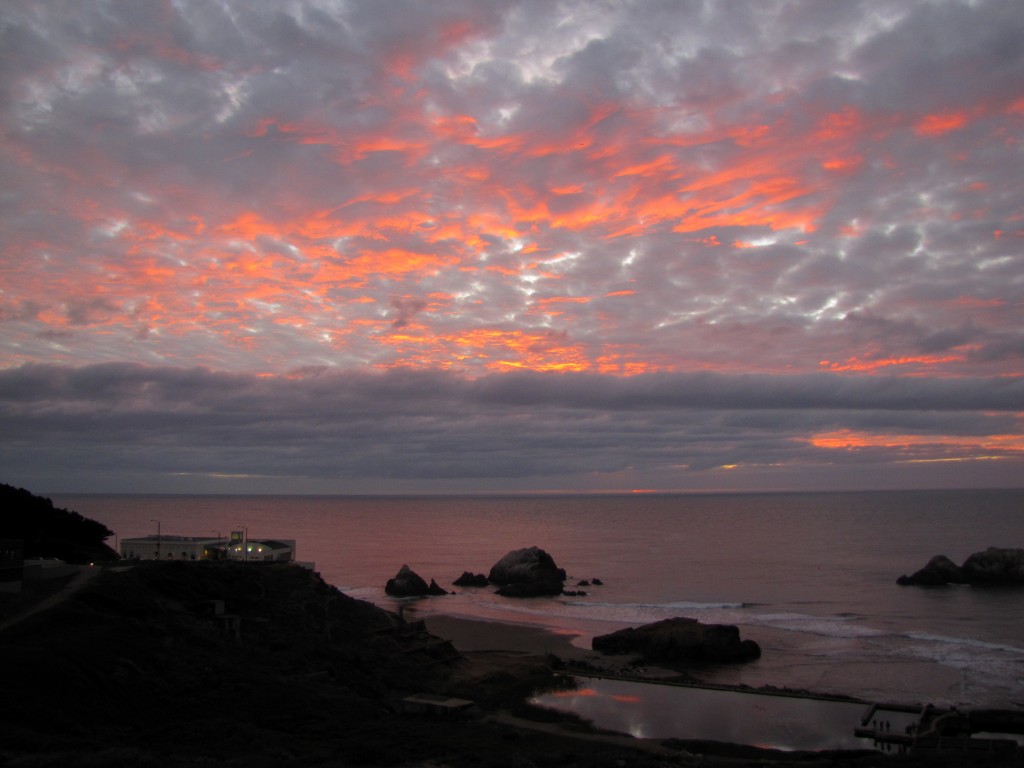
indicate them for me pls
(680, 640)
(529, 572)
(939, 570)
(436, 589)
(407, 583)
(470, 579)
(993, 566)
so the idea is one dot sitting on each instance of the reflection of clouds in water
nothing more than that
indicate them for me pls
(661, 711)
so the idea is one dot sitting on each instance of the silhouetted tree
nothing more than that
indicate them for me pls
(50, 531)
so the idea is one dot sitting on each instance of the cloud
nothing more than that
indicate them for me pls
(720, 217)
(348, 427)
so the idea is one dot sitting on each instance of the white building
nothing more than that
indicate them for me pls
(237, 547)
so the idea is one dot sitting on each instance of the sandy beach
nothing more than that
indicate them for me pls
(469, 635)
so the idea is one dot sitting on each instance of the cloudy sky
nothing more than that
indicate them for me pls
(516, 245)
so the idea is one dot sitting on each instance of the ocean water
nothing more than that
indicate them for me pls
(811, 577)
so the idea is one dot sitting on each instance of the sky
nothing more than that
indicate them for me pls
(272, 246)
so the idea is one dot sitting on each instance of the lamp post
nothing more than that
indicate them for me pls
(245, 543)
(152, 520)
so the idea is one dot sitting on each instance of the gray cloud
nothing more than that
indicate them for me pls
(751, 209)
(329, 426)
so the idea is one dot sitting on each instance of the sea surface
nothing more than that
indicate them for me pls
(811, 576)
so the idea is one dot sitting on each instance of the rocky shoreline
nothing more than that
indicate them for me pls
(174, 664)
(994, 567)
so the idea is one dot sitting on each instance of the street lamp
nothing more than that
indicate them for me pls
(245, 543)
(153, 520)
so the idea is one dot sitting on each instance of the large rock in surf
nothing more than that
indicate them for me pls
(436, 589)
(939, 570)
(993, 566)
(407, 583)
(470, 579)
(680, 640)
(527, 572)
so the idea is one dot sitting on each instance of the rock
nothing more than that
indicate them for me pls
(469, 579)
(939, 570)
(574, 593)
(680, 640)
(993, 566)
(435, 589)
(527, 573)
(583, 583)
(406, 583)
(597, 582)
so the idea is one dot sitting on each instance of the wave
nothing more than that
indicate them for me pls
(835, 625)
(963, 641)
(681, 605)
(726, 612)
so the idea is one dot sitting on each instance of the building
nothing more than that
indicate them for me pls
(263, 550)
(236, 547)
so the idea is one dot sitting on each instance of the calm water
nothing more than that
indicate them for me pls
(811, 577)
(662, 711)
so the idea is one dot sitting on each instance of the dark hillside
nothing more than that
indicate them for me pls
(139, 659)
(50, 531)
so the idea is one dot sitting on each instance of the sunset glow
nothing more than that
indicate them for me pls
(979, 445)
(482, 194)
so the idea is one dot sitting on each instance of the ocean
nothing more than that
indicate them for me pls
(810, 576)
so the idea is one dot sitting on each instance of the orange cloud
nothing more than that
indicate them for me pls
(843, 125)
(846, 439)
(547, 306)
(843, 163)
(856, 364)
(940, 123)
(493, 348)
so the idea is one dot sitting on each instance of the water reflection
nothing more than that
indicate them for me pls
(647, 710)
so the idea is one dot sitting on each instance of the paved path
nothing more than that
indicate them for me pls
(79, 580)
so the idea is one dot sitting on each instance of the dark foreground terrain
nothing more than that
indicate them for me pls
(231, 664)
